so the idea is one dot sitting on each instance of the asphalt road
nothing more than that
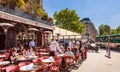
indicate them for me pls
(98, 62)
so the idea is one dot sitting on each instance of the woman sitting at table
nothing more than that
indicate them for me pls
(13, 57)
(23, 52)
(69, 52)
(21, 48)
(30, 52)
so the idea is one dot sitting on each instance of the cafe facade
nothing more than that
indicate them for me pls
(16, 30)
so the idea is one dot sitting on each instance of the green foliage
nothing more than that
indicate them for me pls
(45, 16)
(113, 32)
(104, 29)
(118, 29)
(68, 19)
(38, 11)
(20, 3)
(50, 19)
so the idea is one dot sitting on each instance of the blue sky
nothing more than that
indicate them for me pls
(99, 11)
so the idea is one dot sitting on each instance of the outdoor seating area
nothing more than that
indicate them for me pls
(17, 60)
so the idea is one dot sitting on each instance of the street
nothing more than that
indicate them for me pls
(98, 62)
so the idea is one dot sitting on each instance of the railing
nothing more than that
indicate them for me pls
(21, 13)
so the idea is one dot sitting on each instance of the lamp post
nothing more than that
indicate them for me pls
(5, 27)
(33, 30)
(47, 34)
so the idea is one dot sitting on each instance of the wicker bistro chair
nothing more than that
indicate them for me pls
(69, 62)
(77, 58)
(12, 68)
(55, 66)
(23, 64)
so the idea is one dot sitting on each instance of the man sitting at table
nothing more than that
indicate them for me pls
(54, 46)
(30, 52)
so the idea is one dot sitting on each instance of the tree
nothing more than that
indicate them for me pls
(45, 16)
(50, 19)
(68, 19)
(113, 32)
(118, 29)
(104, 29)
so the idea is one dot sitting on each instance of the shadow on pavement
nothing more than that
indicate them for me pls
(92, 51)
(108, 56)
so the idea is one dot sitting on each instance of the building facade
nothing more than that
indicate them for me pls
(18, 27)
(90, 30)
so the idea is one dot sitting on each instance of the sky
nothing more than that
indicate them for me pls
(99, 11)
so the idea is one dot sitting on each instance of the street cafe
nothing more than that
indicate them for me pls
(15, 29)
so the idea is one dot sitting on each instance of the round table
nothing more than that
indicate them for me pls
(4, 63)
(2, 56)
(44, 53)
(60, 55)
(30, 67)
(47, 61)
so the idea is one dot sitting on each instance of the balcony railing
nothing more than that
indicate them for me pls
(21, 13)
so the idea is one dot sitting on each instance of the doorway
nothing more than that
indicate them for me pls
(2, 41)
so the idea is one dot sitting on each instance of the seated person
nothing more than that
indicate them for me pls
(20, 49)
(69, 52)
(23, 52)
(13, 57)
(30, 52)
(75, 50)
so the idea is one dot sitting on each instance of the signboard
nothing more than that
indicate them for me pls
(22, 20)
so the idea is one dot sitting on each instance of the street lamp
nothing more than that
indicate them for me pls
(5, 27)
(33, 30)
(47, 33)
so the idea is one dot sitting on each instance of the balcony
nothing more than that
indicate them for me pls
(21, 13)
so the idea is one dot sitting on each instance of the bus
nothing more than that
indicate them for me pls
(112, 40)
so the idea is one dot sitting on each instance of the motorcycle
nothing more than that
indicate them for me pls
(93, 46)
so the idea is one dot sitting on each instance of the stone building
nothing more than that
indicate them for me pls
(16, 27)
(90, 30)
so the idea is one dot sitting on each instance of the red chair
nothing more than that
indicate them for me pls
(1, 60)
(12, 68)
(44, 57)
(7, 55)
(42, 68)
(69, 61)
(23, 64)
(37, 61)
(77, 57)
(54, 67)
(38, 54)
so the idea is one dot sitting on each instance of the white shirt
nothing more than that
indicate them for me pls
(51, 59)
(54, 46)
(69, 53)
(32, 43)
(28, 53)
(71, 44)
